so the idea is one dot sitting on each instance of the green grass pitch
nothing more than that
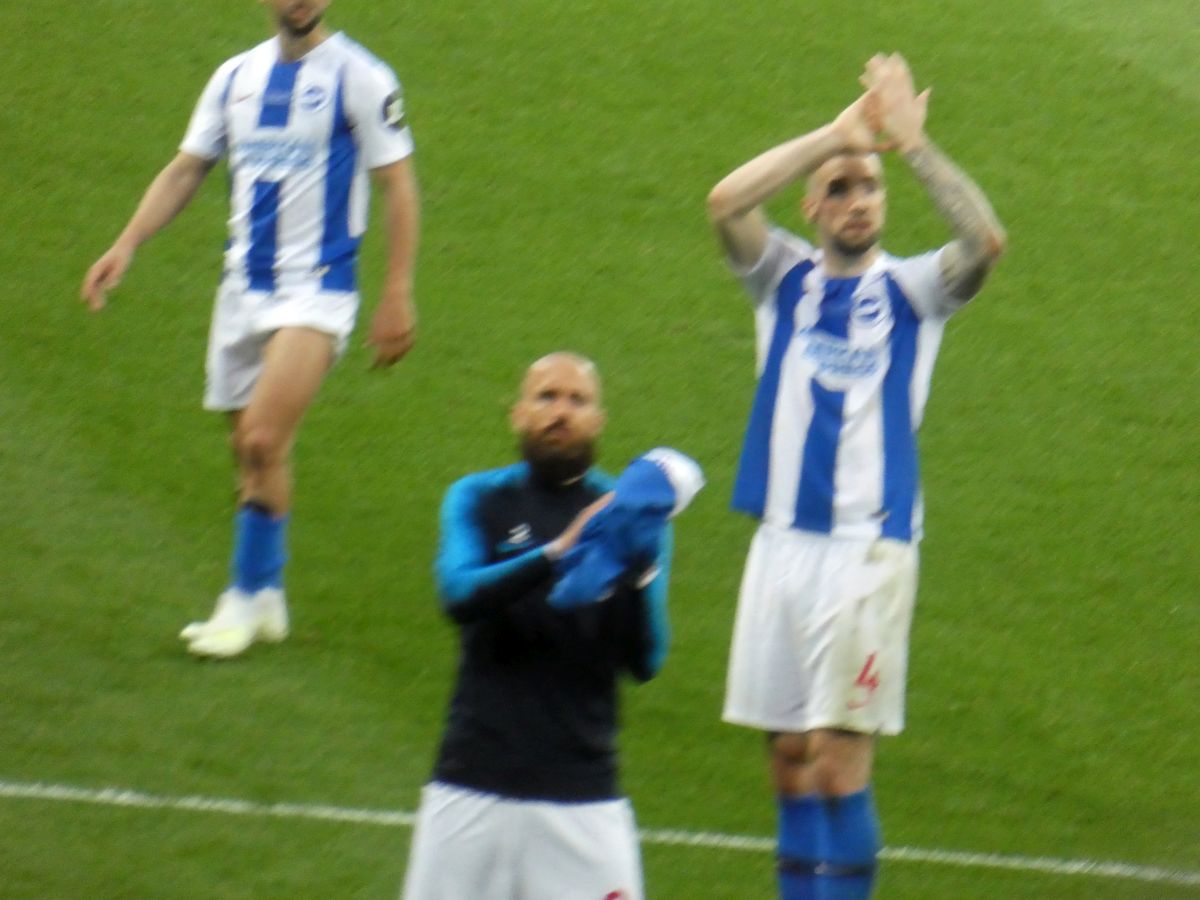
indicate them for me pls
(564, 152)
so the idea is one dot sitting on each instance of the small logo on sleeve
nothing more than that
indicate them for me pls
(393, 111)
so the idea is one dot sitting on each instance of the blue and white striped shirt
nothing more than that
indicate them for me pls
(300, 137)
(844, 367)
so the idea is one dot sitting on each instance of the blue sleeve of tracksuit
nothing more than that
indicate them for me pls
(471, 587)
(655, 636)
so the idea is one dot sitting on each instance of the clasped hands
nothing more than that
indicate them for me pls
(889, 115)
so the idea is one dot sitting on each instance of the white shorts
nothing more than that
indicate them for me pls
(469, 845)
(244, 320)
(821, 636)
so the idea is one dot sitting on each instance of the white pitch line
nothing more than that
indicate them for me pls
(658, 836)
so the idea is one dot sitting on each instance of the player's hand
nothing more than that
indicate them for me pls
(104, 275)
(393, 330)
(858, 127)
(570, 536)
(896, 108)
(853, 126)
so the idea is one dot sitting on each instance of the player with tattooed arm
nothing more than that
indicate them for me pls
(847, 335)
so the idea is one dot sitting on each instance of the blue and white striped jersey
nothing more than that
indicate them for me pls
(299, 137)
(844, 366)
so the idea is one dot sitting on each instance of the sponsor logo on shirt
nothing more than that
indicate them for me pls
(836, 357)
(290, 155)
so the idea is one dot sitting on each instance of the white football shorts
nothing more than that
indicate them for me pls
(469, 845)
(821, 634)
(244, 320)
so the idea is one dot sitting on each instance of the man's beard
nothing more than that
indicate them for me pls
(845, 248)
(557, 465)
(303, 30)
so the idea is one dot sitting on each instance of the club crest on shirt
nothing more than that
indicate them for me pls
(393, 111)
(867, 310)
(313, 98)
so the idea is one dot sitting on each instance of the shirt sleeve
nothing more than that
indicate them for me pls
(470, 585)
(206, 134)
(920, 277)
(375, 104)
(652, 634)
(783, 251)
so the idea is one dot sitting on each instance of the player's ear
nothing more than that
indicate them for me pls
(517, 417)
(808, 206)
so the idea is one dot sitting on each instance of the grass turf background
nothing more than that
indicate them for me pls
(564, 153)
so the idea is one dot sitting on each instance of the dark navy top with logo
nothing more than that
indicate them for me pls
(535, 706)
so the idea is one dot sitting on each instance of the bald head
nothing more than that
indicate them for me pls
(563, 364)
(558, 416)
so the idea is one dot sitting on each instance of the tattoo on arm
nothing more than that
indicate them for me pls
(979, 234)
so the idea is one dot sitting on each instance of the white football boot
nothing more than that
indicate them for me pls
(240, 621)
(220, 613)
(271, 604)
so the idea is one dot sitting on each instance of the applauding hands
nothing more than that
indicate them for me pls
(889, 115)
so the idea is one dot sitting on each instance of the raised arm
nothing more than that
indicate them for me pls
(166, 197)
(734, 204)
(393, 328)
(979, 237)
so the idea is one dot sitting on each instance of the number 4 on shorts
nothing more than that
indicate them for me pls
(869, 676)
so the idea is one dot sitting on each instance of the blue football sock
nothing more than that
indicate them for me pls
(800, 846)
(259, 548)
(852, 829)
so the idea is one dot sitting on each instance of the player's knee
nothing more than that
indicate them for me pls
(789, 749)
(788, 764)
(836, 777)
(258, 446)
